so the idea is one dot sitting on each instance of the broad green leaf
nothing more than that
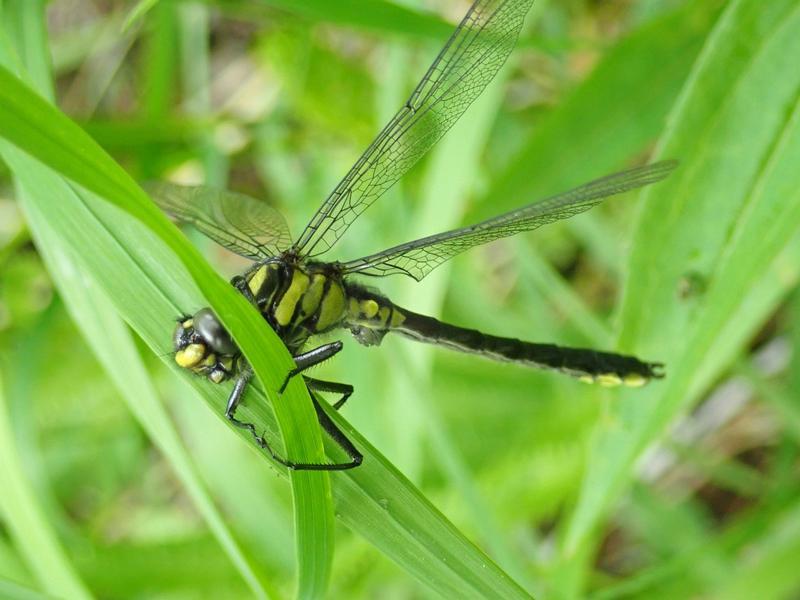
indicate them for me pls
(36, 127)
(703, 269)
(111, 342)
(110, 339)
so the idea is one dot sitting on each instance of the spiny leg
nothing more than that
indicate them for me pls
(324, 420)
(230, 413)
(308, 359)
(338, 436)
(345, 389)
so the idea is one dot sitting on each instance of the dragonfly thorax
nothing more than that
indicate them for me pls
(297, 300)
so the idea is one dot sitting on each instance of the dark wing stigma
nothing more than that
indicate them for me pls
(461, 71)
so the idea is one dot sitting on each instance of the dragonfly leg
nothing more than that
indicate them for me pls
(325, 421)
(338, 436)
(230, 413)
(308, 359)
(345, 389)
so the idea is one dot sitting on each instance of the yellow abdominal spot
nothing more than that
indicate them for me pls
(397, 318)
(634, 380)
(187, 323)
(609, 379)
(190, 356)
(369, 308)
(285, 308)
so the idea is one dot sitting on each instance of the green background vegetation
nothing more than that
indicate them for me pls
(119, 479)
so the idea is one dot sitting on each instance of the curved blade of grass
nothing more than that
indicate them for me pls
(111, 342)
(109, 338)
(149, 285)
(715, 228)
(27, 524)
(35, 126)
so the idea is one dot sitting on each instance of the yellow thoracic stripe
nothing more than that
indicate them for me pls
(313, 295)
(286, 306)
(257, 280)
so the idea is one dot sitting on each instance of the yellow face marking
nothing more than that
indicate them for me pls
(609, 379)
(369, 308)
(634, 380)
(257, 280)
(313, 295)
(333, 307)
(285, 308)
(190, 356)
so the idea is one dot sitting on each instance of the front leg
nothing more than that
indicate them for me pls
(308, 359)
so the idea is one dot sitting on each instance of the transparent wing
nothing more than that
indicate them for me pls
(467, 63)
(418, 258)
(240, 223)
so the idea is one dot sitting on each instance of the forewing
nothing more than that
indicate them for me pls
(418, 258)
(461, 71)
(238, 222)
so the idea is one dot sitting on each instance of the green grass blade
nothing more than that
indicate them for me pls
(26, 522)
(31, 123)
(723, 220)
(111, 341)
(112, 344)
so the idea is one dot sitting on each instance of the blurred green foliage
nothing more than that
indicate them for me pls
(687, 488)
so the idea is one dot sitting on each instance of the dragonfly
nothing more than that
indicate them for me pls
(302, 296)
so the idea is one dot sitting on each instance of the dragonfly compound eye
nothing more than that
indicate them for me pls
(208, 327)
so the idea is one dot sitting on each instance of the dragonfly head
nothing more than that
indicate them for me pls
(203, 346)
